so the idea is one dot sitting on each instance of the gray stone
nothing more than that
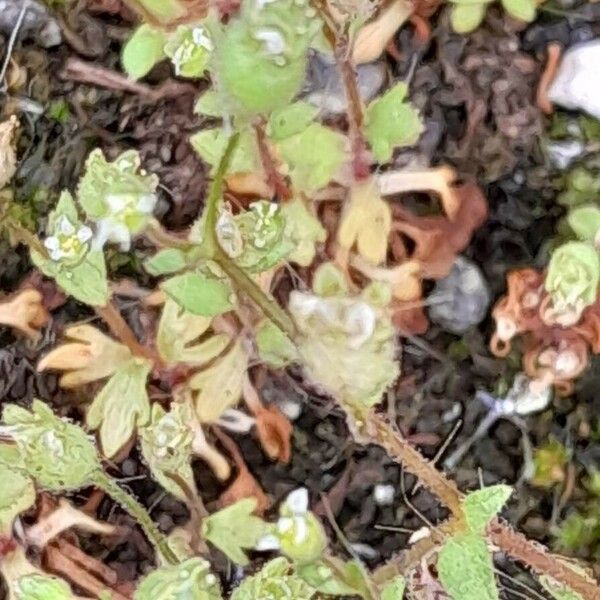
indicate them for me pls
(577, 83)
(324, 89)
(461, 300)
(562, 154)
(38, 23)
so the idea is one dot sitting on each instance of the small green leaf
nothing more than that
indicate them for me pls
(219, 386)
(143, 50)
(56, 453)
(524, 10)
(304, 230)
(325, 580)
(42, 587)
(167, 448)
(178, 336)
(394, 590)
(585, 222)
(481, 506)
(314, 156)
(274, 346)
(86, 281)
(467, 17)
(235, 529)
(164, 262)
(189, 580)
(329, 281)
(466, 570)
(291, 120)
(199, 295)
(18, 491)
(121, 406)
(275, 581)
(391, 122)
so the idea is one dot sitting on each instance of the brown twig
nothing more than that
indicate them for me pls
(343, 56)
(269, 163)
(111, 315)
(91, 74)
(376, 430)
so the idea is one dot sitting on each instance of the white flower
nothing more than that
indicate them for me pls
(273, 41)
(127, 211)
(201, 39)
(297, 502)
(67, 242)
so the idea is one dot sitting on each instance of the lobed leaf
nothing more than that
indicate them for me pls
(143, 50)
(42, 587)
(121, 406)
(235, 529)
(392, 122)
(18, 491)
(177, 339)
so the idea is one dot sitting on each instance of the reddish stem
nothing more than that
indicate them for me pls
(269, 163)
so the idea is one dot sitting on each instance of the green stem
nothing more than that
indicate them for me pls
(211, 243)
(139, 513)
(268, 306)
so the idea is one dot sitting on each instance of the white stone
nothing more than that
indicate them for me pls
(384, 494)
(577, 83)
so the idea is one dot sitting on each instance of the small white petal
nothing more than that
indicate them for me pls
(56, 254)
(284, 524)
(116, 203)
(147, 203)
(297, 501)
(52, 243)
(268, 542)
(103, 230)
(301, 527)
(273, 40)
(84, 234)
(119, 234)
(65, 226)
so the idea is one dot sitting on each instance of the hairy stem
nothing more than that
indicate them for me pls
(267, 305)
(343, 55)
(376, 430)
(111, 315)
(139, 513)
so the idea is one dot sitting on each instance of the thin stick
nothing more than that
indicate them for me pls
(11, 44)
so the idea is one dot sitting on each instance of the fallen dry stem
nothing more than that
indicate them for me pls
(378, 431)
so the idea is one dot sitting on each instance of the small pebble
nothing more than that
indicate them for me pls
(384, 494)
(461, 300)
(324, 89)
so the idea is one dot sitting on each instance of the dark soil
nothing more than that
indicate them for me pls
(476, 93)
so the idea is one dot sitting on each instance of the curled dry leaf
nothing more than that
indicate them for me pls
(8, 156)
(90, 355)
(61, 519)
(273, 427)
(25, 312)
(244, 485)
(553, 354)
(373, 37)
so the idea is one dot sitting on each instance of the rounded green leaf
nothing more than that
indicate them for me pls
(585, 222)
(143, 50)
(467, 17)
(524, 10)
(573, 276)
